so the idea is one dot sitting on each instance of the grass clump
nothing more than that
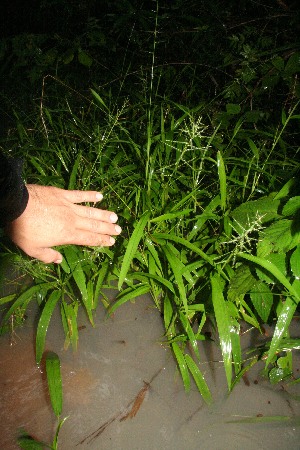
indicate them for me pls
(205, 187)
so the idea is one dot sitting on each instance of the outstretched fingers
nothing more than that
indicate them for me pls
(83, 196)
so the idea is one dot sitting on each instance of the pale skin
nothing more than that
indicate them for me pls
(55, 217)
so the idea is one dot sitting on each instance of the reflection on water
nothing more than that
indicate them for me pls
(115, 361)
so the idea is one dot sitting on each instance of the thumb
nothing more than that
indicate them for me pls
(47, 255)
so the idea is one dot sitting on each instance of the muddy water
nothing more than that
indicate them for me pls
(101, 381)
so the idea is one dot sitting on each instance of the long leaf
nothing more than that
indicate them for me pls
(270, 267)
(172, 215)
(73, 259)
(222, 180)
(182, 366)
(185, 243)
(199, 379)
(25, 298)
(282, 324)
(173, 261)
(132, 247)
(44, 323)
(54, 382)
(223, 323)
(133, 293)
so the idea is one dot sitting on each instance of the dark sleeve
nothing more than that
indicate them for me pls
(13, 192)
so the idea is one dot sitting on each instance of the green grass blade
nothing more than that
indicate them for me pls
(150, 246)
(132, 247)
(7, 299)
(190, 334)
(170, 216)
(223, 323)
(182, 366)
(54, 382)
(199, 379)
(25, 298)
(173, 261)
(55, 440)
(157, 278)
(222, 180)
(73, 259)
(126, 296)
(44, 323)
(185, 243)
(73, 176)
(69, 319)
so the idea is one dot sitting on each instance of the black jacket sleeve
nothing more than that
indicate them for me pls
(13, 192)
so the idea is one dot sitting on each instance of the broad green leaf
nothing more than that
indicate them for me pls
(199, 379)
(44, 323)
(182, 366)
(279, 237)
(285, 190)
(273, 270)
(264, 208)
(222, 180)
(292, 206)
(54, 382)
(132, 247)
(262, 299)
(295, 262)
(126, 296)
(240, 283)
(279, 260)
(223, 323)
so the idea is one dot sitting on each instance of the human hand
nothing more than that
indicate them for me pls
(52, 217)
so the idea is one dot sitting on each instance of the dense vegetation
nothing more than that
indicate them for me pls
(187, 118)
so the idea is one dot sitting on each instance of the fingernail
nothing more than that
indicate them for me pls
(118, 229)
(112, 240)
(113, 217)
(58, 261)
(99, 196)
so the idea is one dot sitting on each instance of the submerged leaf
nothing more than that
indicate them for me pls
(199, 379)
(182, 366)
(54, 382)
